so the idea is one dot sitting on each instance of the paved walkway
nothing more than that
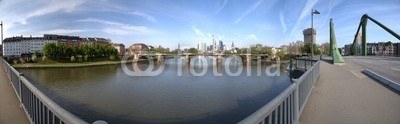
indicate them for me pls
(343, 95)
(10, 112)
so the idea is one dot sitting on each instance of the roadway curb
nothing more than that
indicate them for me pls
(387, 82)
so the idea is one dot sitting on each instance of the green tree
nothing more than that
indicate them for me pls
(62, 50)
(281, 54)
(259, 49)
(175, 51)
(92, 51)
(256, 49)
(68, 52)
(114, 51)
(307, 48)
(76, 51)
(325, 48)
(192, 50)
(85, 49)
(50, 50)
(227, 52)
(241, 51)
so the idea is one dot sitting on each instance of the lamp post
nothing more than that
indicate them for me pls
(313, 11)
(2, 45)
(1, 24)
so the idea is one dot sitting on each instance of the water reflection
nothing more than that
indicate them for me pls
(106, 93)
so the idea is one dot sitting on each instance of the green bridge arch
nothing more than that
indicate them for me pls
(363, 25)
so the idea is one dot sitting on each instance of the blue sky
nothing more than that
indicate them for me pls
(169, 22)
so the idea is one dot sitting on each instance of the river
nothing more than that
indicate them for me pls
(184, 92)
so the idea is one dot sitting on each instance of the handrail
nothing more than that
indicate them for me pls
(57, 110)
(302, 79)
(261, 113)
(38, 107)
(288, 105)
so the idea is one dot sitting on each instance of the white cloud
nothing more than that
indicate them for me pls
(249, 10)
(306, 10)
(144, 15)
(63, 31)
(117, 28)
(252, 37)
(197, 31)
(221, 6)
(17, 12)
(282, 20)
(101, 21)
(52, 7)
(209, 34)
(331, 5)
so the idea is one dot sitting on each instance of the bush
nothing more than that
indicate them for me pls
(34, 58)
(44, 58)
(22, 61)
(86, 57)
(112, 57)
(79, 58)
(9, 60)
(281, 54)
(72, 59)
(15, 61)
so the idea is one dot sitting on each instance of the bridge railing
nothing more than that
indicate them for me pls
(287, 107)
(37, 106)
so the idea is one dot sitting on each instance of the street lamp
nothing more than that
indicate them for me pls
(313, 11)
(1, 24)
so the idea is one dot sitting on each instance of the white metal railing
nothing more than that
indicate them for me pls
(287, 107)
(38, 107)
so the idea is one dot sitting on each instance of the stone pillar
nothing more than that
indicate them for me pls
(135, 56)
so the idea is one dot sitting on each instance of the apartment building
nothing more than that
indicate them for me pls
(17, 46)
(20, 45)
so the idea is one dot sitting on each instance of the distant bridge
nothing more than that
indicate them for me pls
(160, 56)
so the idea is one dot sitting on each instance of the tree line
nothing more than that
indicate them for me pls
(53, 50)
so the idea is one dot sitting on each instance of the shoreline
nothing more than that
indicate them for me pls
(86, 64)
(68, 65)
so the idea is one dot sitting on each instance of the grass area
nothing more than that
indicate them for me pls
(64, 65)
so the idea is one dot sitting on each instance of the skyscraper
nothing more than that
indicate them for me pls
(214, 47)
(204, 47)
(232, 46)
(214, 44)
(221, 46)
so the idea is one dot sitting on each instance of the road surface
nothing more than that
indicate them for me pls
(385, 66)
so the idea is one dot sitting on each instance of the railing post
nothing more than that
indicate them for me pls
(313, 77)
(305, 65)
(296, 105)
(19, 87)
(290, 69)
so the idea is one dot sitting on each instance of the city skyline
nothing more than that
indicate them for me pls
(167, 23)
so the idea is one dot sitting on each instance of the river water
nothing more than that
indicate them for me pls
(184, 92)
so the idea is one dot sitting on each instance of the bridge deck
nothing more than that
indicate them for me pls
(343, 95)
(10, 112)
